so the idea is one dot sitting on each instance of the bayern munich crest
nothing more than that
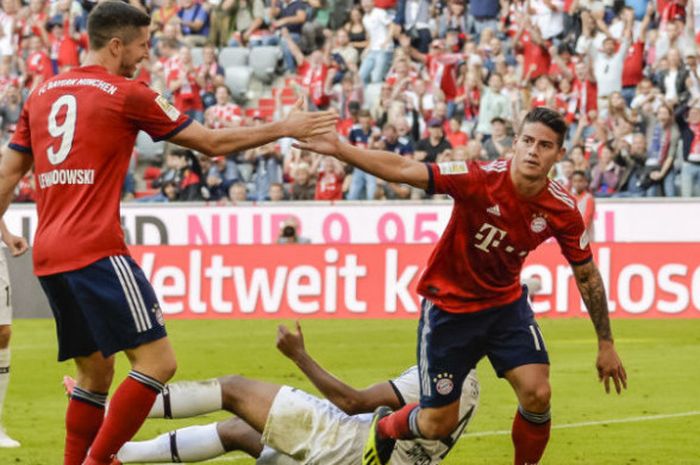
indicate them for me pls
(443, 383)
(538, 224)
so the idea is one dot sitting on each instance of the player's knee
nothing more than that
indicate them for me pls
(230, 389)
(5, 333)
(167, 369)
(537, 398)
(437, 425)
(96, 378)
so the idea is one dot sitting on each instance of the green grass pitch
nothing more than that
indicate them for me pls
(659, 416)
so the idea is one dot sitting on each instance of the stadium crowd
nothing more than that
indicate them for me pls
(438, 80)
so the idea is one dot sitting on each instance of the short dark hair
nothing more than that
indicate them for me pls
(580, 173)
(550, 118)
(114, 19)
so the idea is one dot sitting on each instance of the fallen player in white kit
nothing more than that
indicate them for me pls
(282, 425)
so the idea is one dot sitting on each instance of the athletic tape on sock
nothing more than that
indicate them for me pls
(93, 398)
(536, 418)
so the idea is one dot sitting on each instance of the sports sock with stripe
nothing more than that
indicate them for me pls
(191, 444)
(530, 435)
(187, 399)
(128, 409)
(4, 376)
(84, 417)
(402, 424)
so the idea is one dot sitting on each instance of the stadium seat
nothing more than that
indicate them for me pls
(264, 60)
(372, 93)
(147, 149)
(233, 56)
(197, 55)
(237, 80)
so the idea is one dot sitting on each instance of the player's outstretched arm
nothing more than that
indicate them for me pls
(350, 400)
(386, 165)
(609, 365)
(213, 142)
(13, 166)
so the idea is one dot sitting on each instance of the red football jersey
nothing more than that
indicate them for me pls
(477, 262)
(80, 128)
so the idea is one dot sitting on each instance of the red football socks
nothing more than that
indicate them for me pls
(529, 439)
(127, 411)
(397, 425)
(84, 417)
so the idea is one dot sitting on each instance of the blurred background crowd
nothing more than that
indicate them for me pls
(436, 80)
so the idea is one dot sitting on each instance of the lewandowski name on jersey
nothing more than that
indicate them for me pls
(63, 177)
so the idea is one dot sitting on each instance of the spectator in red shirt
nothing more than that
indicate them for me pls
(455, 136)
(528, 41)
(64, 49)
(185, 84)
(633, 68)
(329, 184)
(584, 200)
(39, 66)
(315, 72)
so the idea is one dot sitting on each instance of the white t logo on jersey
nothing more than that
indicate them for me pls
(490, 236)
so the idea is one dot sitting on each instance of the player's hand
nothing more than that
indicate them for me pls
(289, 343)
(17, 244)
(326, 144)
(304, 125)
(610, 366)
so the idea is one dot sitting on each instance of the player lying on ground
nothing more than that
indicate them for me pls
(78, 131)
(474, 305)
(281, 425)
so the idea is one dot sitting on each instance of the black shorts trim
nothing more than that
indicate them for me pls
(21, 148)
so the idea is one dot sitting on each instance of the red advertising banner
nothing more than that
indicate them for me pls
(379, 281)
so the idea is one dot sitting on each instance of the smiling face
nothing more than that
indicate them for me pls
(134, 53)
(537, 148)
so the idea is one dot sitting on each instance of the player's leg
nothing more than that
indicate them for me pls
(186, 399)
(122, 314)
(194, 443)
(517, 353)
(86, 406)
(85, 410)
(449, 345)
(248, 399)
(5, 334)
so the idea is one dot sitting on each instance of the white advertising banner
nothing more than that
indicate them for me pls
(361, 223)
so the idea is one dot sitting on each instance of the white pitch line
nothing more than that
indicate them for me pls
(597, 423)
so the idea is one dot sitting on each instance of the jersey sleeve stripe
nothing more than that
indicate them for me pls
(431, 180)
(174, 131)
(20, 148)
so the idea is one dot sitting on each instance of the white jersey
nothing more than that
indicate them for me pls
(302, 429)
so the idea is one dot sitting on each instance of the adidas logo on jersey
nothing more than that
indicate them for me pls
(495, 210)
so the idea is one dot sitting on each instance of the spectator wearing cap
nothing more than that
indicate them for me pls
(485, 14)
(493, 104)
(377, 58)
(413, 17)
(429, 149)
(194, 22)
(688, 120)
(290, 15)
(499, 142)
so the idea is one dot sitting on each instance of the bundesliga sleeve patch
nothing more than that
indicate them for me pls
(453, 167)
(169, 110)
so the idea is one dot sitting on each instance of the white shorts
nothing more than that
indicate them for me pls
(306, 430)
(5, 303)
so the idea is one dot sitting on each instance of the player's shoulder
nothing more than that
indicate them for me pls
(559, 196)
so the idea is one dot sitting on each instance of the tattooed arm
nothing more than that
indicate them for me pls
(590, 285)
